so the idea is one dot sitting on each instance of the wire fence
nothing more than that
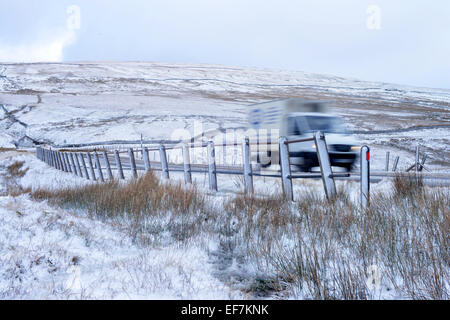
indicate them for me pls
(98, 163)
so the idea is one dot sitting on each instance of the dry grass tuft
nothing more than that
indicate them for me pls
(335, 244)
(14, 172)
(408, 186)
(148, 206)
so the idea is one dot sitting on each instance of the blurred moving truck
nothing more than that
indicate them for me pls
(299, 119)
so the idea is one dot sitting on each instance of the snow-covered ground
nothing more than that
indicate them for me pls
(48, 253)
(51, 253)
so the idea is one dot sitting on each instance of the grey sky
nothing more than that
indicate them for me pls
(321, 36)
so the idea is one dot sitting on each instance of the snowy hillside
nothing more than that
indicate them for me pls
(94, 102)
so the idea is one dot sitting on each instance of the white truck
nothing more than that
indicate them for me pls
(298, 119)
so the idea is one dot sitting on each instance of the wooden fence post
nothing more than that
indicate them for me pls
(164, 164)
(58, 163)
(63, 163)
(55, 154)
(286, 169)
(91, 167)
(119, 165)
(77, 163)
(66, 158)
(187, 164)
(394, 167)
(53, 159)
(73, 164)
(325, 165)
(146, 160)
(212, 172)
(108, 166)
(83, 163)
(365, 176)
(132, 162)
(424, 158)
(63, 159)
(386, 167)
(417, 159)
(99, 167)
(248, 174)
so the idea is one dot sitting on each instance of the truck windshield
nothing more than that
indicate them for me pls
(325, 124)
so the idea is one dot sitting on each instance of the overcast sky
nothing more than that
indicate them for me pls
(401, 41)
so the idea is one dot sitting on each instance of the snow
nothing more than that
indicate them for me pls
(43, 248)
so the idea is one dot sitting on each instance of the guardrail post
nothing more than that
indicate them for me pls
(365, 176)
(164, 164)
(99, 167)
(394, 167)
(212, 166)
(108, 166)
(77, 163)
(325, 165)
(146, 160)
(119, 165)
(386, 167)
(248, 174)
(83, 163)
(91, 167)
(286, 169)
(72, 161)
(132, 162)
(187, 164)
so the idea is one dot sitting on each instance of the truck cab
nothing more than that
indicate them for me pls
(299, 119)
